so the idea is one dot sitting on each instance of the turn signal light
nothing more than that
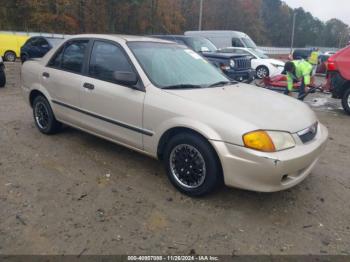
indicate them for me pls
(259, 140)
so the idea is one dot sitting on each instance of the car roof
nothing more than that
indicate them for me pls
(177, 36)
(123, 38)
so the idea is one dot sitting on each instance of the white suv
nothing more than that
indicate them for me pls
(263, 65)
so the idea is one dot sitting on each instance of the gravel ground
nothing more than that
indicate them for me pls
(73, 193)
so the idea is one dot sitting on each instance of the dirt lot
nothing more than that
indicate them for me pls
(74, 193)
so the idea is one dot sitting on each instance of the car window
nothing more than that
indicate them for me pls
(236, 42)
(41, 42)
(107, 58)
(57, 59)
(73, 56)
(199, 44)
(172, 65)
(30, 41)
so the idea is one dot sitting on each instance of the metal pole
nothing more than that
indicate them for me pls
(293, 33)
(200, 15)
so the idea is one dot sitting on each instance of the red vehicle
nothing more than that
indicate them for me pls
(339, 74)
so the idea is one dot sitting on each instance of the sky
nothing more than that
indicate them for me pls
(324, 9)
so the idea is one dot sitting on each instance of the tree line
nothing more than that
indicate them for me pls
(268, 22)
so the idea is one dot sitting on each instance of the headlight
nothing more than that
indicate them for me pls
(232, 63)
(268, 141)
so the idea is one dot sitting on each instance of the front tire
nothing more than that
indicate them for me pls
(2, 77)
(192, 164)
(346, 101)
(44, 118)
(262, 72)
(10, 56)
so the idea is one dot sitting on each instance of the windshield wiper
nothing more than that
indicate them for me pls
(223, 83)
(183, 86)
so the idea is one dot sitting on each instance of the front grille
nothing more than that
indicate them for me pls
(308, 134)
(243, 63)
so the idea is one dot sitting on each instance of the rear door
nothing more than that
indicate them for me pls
(63, 79)
(111, 109)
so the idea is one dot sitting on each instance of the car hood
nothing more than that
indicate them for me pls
(258, 107)
(271, 61)
(275, 62)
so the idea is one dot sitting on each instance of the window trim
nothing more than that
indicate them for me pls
(139, 85)
(63, 49)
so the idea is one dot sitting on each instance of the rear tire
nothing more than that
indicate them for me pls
(192, 165)
(346, 101)
(44, 118)
(10, 56)
(2, 77)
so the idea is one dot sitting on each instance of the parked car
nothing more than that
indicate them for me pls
(301, 54)
(2, 73)
(261, 63)
(38, 46)
(235, 66)
(222, 39)
(164, 100)
(10, 45)
(338, 67)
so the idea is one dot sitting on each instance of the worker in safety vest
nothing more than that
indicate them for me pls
(298, 70)
(313, 59)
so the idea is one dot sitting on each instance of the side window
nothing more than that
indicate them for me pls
(29, 41)
(41, 42)
(57, 58)
(236, 42)
(106, 58)
(73, 56)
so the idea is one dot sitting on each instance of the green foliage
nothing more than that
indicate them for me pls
(268, 22)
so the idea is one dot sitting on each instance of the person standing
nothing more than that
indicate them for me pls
(313, 59)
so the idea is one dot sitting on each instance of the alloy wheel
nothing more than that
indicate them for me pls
(187, 166)
(41, 115)
(262, 72)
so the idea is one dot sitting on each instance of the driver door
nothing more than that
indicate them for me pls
(113, 110)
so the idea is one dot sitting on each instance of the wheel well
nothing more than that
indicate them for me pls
(10, 51)
(171, 133)
(34, 94)
(178, 130)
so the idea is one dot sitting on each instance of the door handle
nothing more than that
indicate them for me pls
(46, 75)
(89, 86)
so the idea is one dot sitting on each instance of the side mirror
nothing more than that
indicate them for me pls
(125, 78)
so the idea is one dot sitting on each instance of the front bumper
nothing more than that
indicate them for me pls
(269, 172)
(241, 75)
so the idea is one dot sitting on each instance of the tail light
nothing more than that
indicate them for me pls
(331, 64)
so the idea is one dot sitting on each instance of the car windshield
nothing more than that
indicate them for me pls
(54, 41)
(172, 65)
(259, 54)
(201, 45)
(249, 43)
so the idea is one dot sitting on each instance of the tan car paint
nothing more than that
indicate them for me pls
(222, 115)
